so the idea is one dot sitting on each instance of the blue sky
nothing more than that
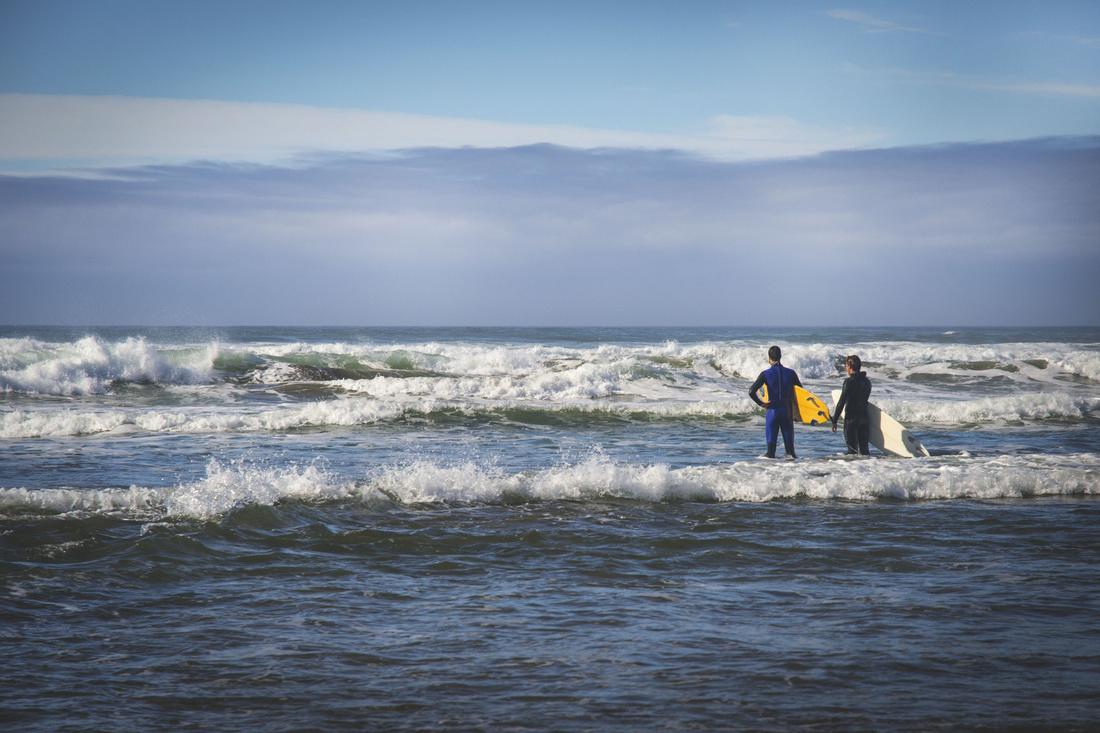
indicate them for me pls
(674, 142)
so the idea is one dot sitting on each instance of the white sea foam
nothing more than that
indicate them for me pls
(40, 423)
(755, 481)
(1008, 408)
(54, 423)
(584, 382)
(746, 359)
(891, 361)
(134, 502)
(1079, 363)
(224, 488)
(91, 365)
(919, 383)
(229, 487)
(394, 399)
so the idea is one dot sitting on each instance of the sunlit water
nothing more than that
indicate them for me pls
(532, 529)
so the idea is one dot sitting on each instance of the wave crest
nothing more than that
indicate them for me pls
(393, 406)
(1009, 408)
(754, 481)
(226, 488)
(94, 366)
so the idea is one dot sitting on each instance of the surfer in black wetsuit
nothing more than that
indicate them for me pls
(853, 401)
(781, 382)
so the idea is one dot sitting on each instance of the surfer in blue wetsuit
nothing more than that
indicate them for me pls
(781, 382)
(853, 401)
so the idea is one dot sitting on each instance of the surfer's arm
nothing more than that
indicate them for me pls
(839, 409)
(754, 388)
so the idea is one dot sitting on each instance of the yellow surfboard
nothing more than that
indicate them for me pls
(812, 410)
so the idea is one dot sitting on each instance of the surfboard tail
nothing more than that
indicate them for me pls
(812, 410)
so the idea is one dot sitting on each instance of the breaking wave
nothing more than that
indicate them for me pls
(228, 487)
(93, 365)
(359, 411)
(337, 413)
(1042, 406)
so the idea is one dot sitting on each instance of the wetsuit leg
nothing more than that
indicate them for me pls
(851, 436)
(857, 435)
(786, 423)
(771, 431)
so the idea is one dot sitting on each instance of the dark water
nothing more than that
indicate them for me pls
(367, 529)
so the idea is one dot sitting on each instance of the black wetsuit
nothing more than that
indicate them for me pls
(857, 423)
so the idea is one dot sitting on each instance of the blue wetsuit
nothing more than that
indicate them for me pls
(781, 382)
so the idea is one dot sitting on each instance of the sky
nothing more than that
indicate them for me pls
(503, 163)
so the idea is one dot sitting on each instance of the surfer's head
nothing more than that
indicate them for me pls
(853, 363)
(775, 354)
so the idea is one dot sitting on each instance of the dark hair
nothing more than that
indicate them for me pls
(854, 362)
(774, 353)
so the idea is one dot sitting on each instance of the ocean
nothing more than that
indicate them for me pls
(529, 529)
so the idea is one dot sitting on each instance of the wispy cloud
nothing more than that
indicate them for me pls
(987, 84)
(1090, 41)
(1087, 41)
(873, 24)
(130, 130)
(1055, 88)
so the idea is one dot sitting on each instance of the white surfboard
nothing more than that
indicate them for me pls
(887, 434)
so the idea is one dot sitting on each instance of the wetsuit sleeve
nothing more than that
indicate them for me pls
(797, 381)
(839, 409)
(755, 387)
